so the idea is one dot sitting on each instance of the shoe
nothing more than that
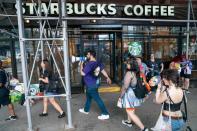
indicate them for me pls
(11, 118)
(127, 123)
(103, 117)
(188, 92)
(145, 129)
(62, 115)
(82, 111)
(43, 114)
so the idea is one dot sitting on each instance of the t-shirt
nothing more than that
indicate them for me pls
(44, 75)
(89, 78)
(156, 65)
(3, 77)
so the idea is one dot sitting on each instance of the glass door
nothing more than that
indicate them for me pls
(104, 46)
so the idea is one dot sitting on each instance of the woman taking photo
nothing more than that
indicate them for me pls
(171, 95)
(46, 75)
(127, 94)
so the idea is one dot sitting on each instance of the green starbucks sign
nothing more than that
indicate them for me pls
(135, 48)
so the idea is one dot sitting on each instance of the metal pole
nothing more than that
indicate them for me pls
(188, 31)
(66, 65)
(23, 60)
(41, 31)
(13, 58)
(109, 18)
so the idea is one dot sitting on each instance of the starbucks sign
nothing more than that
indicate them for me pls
(135, 48)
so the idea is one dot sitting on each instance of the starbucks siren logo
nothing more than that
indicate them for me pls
(135, 48)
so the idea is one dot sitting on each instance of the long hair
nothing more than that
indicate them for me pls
(47, 66)
(173, 76)
(134, 67)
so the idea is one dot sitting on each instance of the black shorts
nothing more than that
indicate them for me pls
(4, 97)
(187, 76)
(184, 75)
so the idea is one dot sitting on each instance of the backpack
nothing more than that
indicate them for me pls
(7, 84)
(140, 89)
(96, 71)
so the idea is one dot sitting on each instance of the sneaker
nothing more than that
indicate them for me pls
(82, 111)
(62, 115)
(103, 117)
(127, 123)
(145, 129)
(11, 118)
(188, 92)
(43, 114)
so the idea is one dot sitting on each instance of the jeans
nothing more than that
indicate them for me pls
(92, 93)
(177, 125)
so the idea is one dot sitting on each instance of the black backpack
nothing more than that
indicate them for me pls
(140, 90)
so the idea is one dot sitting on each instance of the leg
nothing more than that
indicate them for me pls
(186, 82)
(88, 101)
(135, 118)
(11, 109)
(45, 104)
(96, 97)
(128, 118)
(56, 105)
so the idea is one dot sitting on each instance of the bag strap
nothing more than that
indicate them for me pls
(168, 95)
(185, 105)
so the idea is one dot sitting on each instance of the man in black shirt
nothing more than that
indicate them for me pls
(155, 65)
(4, 94)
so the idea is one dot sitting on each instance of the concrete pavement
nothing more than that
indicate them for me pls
(148, 113)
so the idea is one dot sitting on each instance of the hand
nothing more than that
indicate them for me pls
(108, 80)
(119, 99)
(40, 79)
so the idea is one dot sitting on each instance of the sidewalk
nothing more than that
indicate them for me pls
(148, 113)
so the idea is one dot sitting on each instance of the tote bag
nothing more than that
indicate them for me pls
(161, 124)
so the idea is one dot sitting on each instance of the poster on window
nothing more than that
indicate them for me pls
(135, 48)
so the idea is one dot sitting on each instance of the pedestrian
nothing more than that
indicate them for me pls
(143, 67)
(90, 76)
(131, 78)
(4, 94)
(143, 71)
(186, 72)
(169, 93)
(155, 65)
(46, 77)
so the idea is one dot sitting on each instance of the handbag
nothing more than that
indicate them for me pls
(119, 103)
(162, 124)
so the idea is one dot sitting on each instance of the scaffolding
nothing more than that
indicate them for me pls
(43, 38)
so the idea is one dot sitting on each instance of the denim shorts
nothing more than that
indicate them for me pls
(177, 125)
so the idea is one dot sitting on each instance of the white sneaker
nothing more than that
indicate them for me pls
(82, 111)
(103, 117)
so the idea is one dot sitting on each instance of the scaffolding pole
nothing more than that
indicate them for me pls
(188, 31)
(41, 28)
(66, 65)
(109, 18)
(23, 61)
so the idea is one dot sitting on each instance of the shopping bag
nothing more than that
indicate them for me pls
(119, 103)
(162, 125)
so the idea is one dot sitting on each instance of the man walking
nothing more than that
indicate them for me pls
(4, 94)
(90, 76)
